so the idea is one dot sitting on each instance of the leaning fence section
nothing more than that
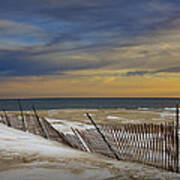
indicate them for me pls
(33, 124)
(147, 143)
(152, 144)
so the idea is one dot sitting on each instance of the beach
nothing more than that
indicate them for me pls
(89, 90)
(27, 156)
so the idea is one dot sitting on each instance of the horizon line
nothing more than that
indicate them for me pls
(93, 97)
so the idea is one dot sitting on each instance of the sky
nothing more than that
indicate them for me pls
(89, 48)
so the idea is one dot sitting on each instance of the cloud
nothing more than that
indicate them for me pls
(86, 21)
(15, 33)
(46, 37)
(136, 73)
(28, 62)
(142, 73)
(170, 70)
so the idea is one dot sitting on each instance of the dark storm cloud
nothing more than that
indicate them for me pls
(70, 26)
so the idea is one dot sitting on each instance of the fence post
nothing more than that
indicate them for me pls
(2, 119)
(85, 146)
(177, 137)
(39, 122)
(22, 114)
(103, 137)
(7, 119)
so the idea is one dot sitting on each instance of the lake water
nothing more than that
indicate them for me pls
(90, 103)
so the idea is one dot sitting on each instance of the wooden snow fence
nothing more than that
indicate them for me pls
(32, 124)
(88, 140)
(151, 144)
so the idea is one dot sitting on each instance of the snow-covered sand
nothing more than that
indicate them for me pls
(29, 152)
(65, 126)
(24, 156)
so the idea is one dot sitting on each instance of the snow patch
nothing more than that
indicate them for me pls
(116, 118)
(18, 143)
(65, 126)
